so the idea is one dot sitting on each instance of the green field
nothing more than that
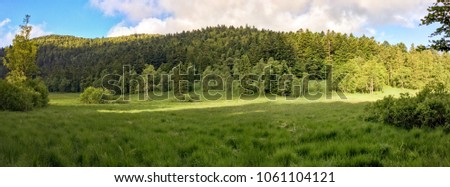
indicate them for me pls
(214, 133)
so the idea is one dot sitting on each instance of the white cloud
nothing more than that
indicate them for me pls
(6, 39)
(150, 25)
(4, 22)
(168, 16)
(133, 9)
(371, 31)
(39, 30)
(7, 34)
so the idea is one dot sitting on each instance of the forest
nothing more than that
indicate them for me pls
(362, 64)
(396, 111)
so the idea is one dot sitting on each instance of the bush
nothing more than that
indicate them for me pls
(40, 92)
(430, 107)
(15, 98)
(93, 95)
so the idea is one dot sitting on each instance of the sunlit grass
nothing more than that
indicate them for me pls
(258, 132)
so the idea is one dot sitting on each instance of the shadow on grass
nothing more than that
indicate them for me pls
(213, 134)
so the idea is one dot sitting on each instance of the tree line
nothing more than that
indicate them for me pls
(361, 64)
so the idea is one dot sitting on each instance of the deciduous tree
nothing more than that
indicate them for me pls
(21, 56)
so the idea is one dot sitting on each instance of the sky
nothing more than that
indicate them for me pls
(394, 21)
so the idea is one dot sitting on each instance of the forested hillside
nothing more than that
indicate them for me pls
(70, 64)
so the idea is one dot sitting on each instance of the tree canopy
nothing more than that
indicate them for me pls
(23, 90)
(439, 13)
(71, 64)
(20, 59)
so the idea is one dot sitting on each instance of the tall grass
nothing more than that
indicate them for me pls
(213, 133)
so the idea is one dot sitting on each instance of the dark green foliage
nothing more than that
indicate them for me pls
(40, 95)
(429, 108)
(22, 91)
(439, 14)
(181, 78)
(3, 69)
(71, 64)
(23, 97)
(93, 95)
(15, 98)
(80, 60)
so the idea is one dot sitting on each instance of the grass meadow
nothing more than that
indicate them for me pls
(259, 132)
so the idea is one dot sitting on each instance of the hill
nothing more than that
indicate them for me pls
(70, 64)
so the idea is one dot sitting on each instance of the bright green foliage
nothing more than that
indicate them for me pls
(259, 67)
(373, 75)
(22, 92)
(24, 96)
(348, 75)
(93, 95)
(20, 59)
(15, 98)
(359, 75)
(222, 48)
(429, 108)
(246, 65)
(242, 66)
(40, 92)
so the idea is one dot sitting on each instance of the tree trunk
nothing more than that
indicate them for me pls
(371, 86)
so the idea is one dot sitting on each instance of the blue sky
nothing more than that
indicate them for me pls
(394, 22)
(69, 17)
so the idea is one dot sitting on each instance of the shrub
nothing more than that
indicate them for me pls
(40, 92)
(15, 98)
(430, 107)
(93, 95)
